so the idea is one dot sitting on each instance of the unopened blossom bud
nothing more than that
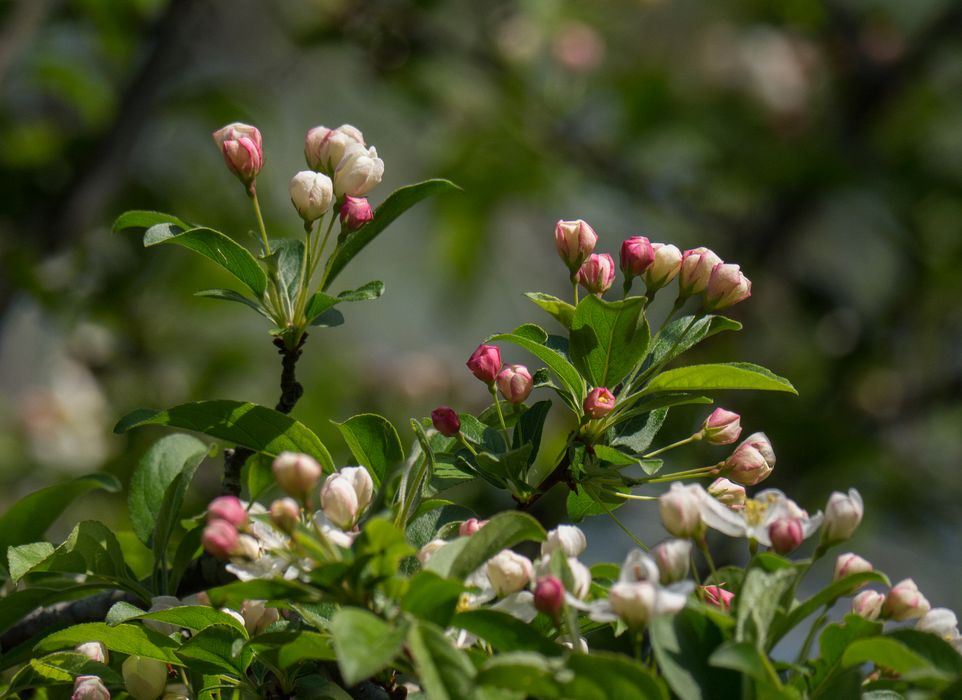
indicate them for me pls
(868, 604)
(597, 273)
(257, 616)
(359, 171)
(727, 492)
(598, 403)
(227, 508)
(786, 534)
(569, 539)
(296, 473)
(726, 287)
(311, 194)
(508, 572)
(848, 564)
(721, 427)
(580, 578)
(665, 267)
(905, 602)
(575, 241)
(637, 255)
(176, 691)
(242, 148)
(144, 679)
(339, 501)
(680, 509)
(718, 597)
(324, 148)
(549, 596)
(427, 551)
(89, 688)
(941, 622)
(247, 548)
(471, 526)
(285, 514)
(95, 651)
(752, 461)
(446, 421)
(843, 513)
(355, 212)
(485, 363)
(673, 558)
(166, 602)
(633, 602)
(515, 383)
(696, 267)
(219, 539)
(363, 484)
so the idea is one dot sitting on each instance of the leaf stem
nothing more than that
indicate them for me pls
(711, 470)
(497, 408)
(574, 284)
(632, 497)
(260, 222)
(810, 637)
(464, 441)
(692, 438)
(611, 515)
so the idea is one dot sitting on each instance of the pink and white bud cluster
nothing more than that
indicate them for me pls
(843, 514)
(568, 539)
(597, 274)
(345, 496)
(752, 461)
(905, 602)
(695, 271)
(342, 154)
(297, 474)
(599, 403)
(515, 383)
(726, 287)
(89, 688)
(324, 147)
(242, 149)
(144, 679)
(221, 537)
(509, 572)
(722, 427)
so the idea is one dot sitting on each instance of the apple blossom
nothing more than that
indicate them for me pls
(727, 492)
(95, 651)
(471, 526)
(575, 241)
(598, 403)
(285, 514)
(296, 473)
(219, 539)
(446, 421)
(89, 688)
(755, 519)
(515, 383)
(257, 616)
(786, 534)
(508, 572)
(665, 267)
(868, 604)
(843, 513)
(941, 622)
(752, 461)
(242, 149)
(726, 286)
(358, 172)
(549, 596)
(718, 597)
(355, 212)
(597, 273)
(681, 510)
(695, 271)
(227, 508)
(722, 427)
(324, 148)
(144, 679)
(312, 194)
(673, 558)
(637, 255)
(569, 539)
(485, 363)
(905, 602)
(848, 564)
(424, 554)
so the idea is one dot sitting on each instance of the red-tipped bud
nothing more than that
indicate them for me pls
(227, 508)
(752, 461)
(242, 148)
(597, 273)
(95, 651)
(786, 534)
(599, 403)
(324, 148)
(485, 363)
(842, 515)
(285, 514)
(575, 241)
(446, 421)
(471, 526)
(637, 255)
(850, 563)
(515, 383)
(696, 267)
(868, 604)
(219, 539)
(721, 427)
(549, 596)
(718, 596)
(355, 212)
(89, 688)
(726, 286)
(905, 602)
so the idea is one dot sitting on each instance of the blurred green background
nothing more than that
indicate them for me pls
(817, 143)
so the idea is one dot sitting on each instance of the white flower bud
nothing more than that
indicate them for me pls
(848, 564)
(247, 548)
(868, 604)
(940, 621)
(339, 501)
(359, 171)
(842, 515)
(728, 492)
(89, 688)
(673, 558)
(176, 691)
(427, 551)
(567, 538)
(144, 679)
(580, 578)
(257, 617)
(296, 473)
(634, 602)
(509, 572)
(324, 148)
(363, 485)
(638, 566)
(95, 651)
(680, 509)
(665, 267)
(312, 194)
(905, 602)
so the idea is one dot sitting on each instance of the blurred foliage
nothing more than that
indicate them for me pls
(818, 143)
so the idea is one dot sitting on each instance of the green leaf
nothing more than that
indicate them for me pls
(935, 649)
(146, 219)
(374, 442)
(216, 649)
(399, 202)
(639, 432)
(136, 640)
(432, 598)
(561, 311)
(285, 261)
(504, 632)
(445, 672)
(22, 558)
(530, 427)
(613, 456)
(192, 617)
(318, 304)
(215, 246)
(59, 667)
(734, 375)
(290, 647)
(556, 362)
(683, 644)
(232, 595)
(27, 520)
(886, 652)
(459, 558)
(608, 338)
(255, 427)
(829, 595)
(366, 292)
(365, 643)
(745, 657)
(158, 467)
(91, 548)
(584, 501)
(757, 603)
(683, 333)
(525, 672)
(231, 295)
(606, 675)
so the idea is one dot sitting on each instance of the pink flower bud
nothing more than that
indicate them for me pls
(680, 509)
(718, 596)
(144, 679)
(296, 473)
(242, 148)
(549, 596)
(842, 515)
(515, 383)
(868, 604)
(219, 539)
(95, 651)
(696, 267)
(258, 617)
(634, 602)
(726, 286)
(848, 564)
(508, 572)
(285, 514)
(227, 508)
(311, 194)
(637, 255)
(339, 501)
(324, 148)
(359, 171)
(721, 427)
(904, 602)
(89, 688)
(673, 558)
(575, 241)
(665, 267)
(728, 493)
(598, 403)
(471, 526)
(355, 212)
(597, 273)
(569, 539)
(485, 363)
(786, 534)
(446, 421)
(752, 461)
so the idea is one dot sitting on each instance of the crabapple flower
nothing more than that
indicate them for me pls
(446, 421)
(637, 255)
(941, 622)
(905, 602)
(665, 267)
(242, 149)
(257, 616)
(597, 273)
(358, 172)
(726, 287)
(508, 572)
(580, 578)
(786, 534)
(427, 551)
(868, 604)
(485, 363)
(345, 495)
(695, 271)
(681, 510)
(754, 521)
(598, 403)
(296, 473)
(727, 492)
(568, 538)
(247, 548)
(227, 508)
(219, 539)
(355, 212)
(324, 148)
(549, 596)
(722, 427)
(843, 513)
(285, 514)
(752, 461)
(848, 564)
(312, 194)
(471, 526)
(515, 383)
(144, 679)
(89, 688)
(673, 558)
(718, 597)
(95, 651)
(575, 241)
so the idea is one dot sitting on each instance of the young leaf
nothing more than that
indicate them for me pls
(608, 338)
(146, 219)
(231, 295)
(212, 650)
(715, 377)
(505, 632)
(684, 333)
(192, 617)
(432, 598)
(559, 310)
(757, 603)
(374, 442)
(90, 548)
(366, 292)
(606, 675)
(885, 652)
(464, 555)
(637, 433)
(829, 595)
(399, 202)
(445, 672)
(125, 639)
(584, 501)
(683, 644)
(318, 304)
(556, 362)
(365, 643)
(529, 428)
(285, 261)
